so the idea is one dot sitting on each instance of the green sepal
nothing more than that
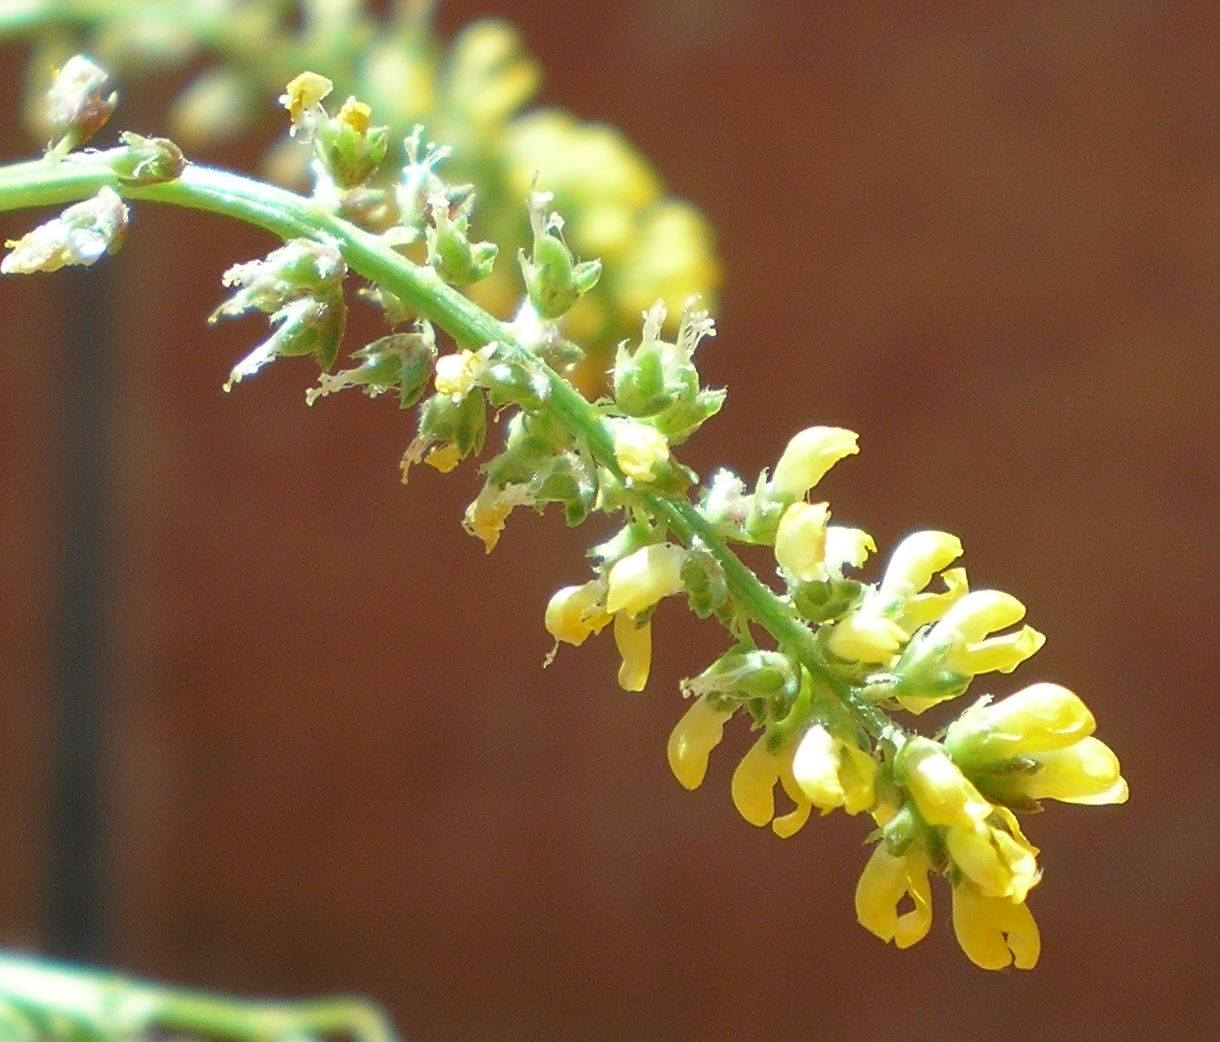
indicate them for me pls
(464, 423)
(826, 601)
(508, 382)
(706, 586)
(452, 255)
(639, 381)
(687, 414)
(351, 156)
(553, 280)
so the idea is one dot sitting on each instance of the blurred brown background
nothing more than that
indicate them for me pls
(983, 235)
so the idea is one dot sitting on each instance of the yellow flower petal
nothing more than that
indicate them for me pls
(807, 458)
(635, 646)
(643, 577)
(942, 793)
(800, 540)
(994, 932)
(1087, 772)
(693, 739)
(883, 884)
(754, 783)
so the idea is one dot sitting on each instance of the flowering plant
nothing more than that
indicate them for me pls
(826, 666)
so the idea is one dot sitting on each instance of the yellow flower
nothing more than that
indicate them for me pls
(846, 546)
(915, 560)
(634, 643)
(576, 612)
(807, 458)
(303, 96)
(942, 793)
(800, 540)
(444, 458)
(1036, 719)
(864, 637)
(754, 783)
(994, 932)
(1000, 861)
(1086, 772)
(485, 517)
(886, 880)
(693, 739)
(929, 607)
(965, 628)
(639, 450)
(457, 373)
(832, 773)
(644, 577)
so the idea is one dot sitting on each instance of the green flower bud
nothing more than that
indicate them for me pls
(303, 326)
(826, 601)
(553, 278)
(457, 260)
(350, 149)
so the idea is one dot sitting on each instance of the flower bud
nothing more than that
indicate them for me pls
(697, 733)
(302, 98)
(641, 579)
(1036, 719)
(349, 148)
(748, 673)
(484, 518)
(994, 932)
(979, 613)
(943, 795)
(399, 360)
(807, 458)
(553, 278)
(800, 540)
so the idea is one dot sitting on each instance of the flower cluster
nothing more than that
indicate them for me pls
(818, 666)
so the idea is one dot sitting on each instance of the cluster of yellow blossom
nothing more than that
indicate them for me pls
(944, 807)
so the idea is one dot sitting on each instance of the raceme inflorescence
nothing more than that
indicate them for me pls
(826, 665)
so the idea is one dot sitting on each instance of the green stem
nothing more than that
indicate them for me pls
(119, 1008)
(288, 215)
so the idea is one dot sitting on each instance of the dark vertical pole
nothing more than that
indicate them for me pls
(76, 926)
